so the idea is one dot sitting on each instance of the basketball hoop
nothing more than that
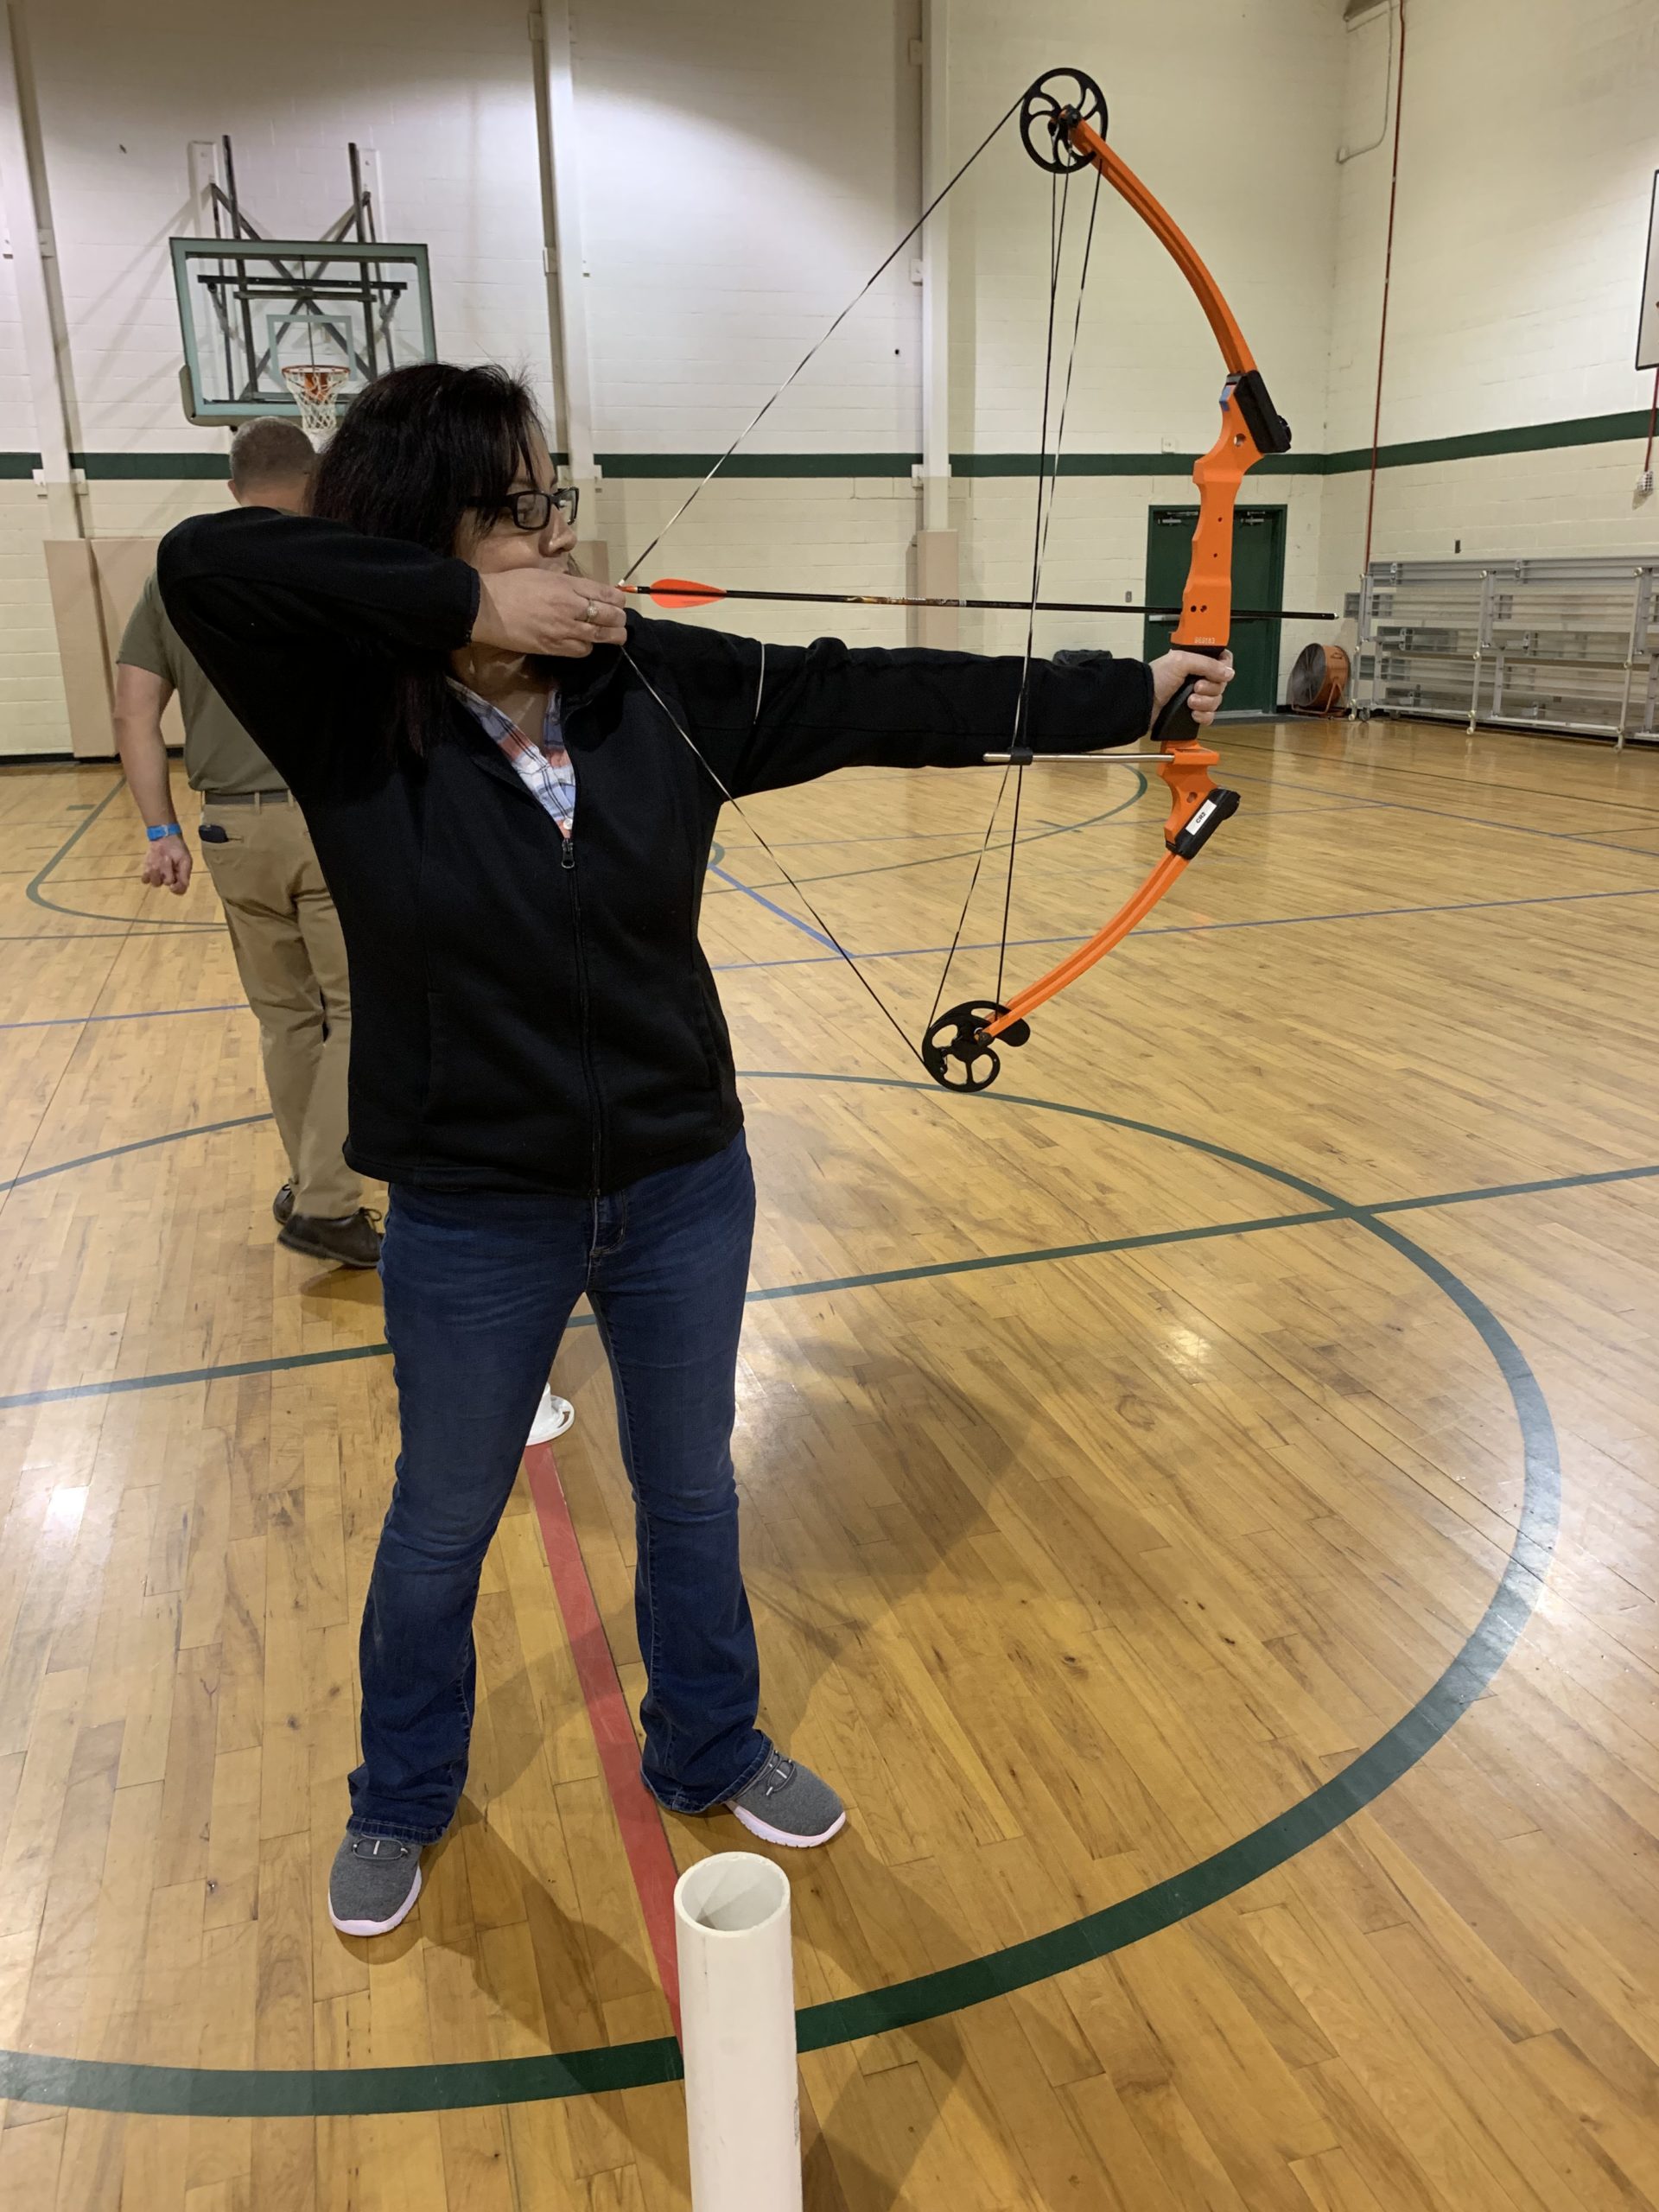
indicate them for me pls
(315, 385)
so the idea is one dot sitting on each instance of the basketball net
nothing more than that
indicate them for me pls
(314, 386)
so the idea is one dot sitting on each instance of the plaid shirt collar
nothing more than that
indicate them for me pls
(545, 768)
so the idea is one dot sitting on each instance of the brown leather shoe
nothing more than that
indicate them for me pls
(353, 1241)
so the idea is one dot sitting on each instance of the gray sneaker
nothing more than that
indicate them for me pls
(788, 1803)
(373, 1884)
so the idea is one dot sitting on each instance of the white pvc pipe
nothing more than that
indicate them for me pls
(737, 2029)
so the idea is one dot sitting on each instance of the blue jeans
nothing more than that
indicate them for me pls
(478, 1288)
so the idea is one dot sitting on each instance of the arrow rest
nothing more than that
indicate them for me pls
(958, 1054)
(1051, 110)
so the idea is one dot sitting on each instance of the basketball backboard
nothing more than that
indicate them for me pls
(250, 307)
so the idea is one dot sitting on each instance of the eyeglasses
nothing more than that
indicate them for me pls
(533, 510)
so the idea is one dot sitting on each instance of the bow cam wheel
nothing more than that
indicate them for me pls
(958, 1054)
(1049, 109)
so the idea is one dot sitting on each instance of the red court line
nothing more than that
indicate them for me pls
(649, 1860)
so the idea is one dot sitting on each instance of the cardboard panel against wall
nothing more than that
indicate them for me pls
(122, 564)
(78, 616)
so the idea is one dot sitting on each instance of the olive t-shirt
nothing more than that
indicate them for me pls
(219, 754)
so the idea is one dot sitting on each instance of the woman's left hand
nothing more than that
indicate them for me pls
(1170, 671)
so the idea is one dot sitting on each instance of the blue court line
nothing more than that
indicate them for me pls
(773, 908)
(926, 951)
(1328, 1207)
(153, 1013)
(1282, 752)
(1201, 928)
(1449, 814)
(139, 1144)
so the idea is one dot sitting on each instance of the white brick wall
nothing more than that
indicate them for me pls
(443, 93)
(1227, 116)
(1527, 158)
(745, 166)
(16, 409)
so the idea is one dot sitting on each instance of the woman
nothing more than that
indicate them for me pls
(516, 837)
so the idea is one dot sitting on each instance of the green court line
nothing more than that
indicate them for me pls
(823, 1285)
(109, 2086)
(138, 1144)
(33, 892)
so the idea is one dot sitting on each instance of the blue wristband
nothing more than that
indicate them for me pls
(158, 830)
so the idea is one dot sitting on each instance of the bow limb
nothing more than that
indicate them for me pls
(1198, 809)
(1129, 916)
(1250, 426)
(1085, 139)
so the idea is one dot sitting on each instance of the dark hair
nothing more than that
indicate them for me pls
(269, 451)
(415, 451)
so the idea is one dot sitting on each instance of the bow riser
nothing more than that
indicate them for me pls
(1157, 218)
(1205, 624)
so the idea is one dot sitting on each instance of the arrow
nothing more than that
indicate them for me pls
(674, 592)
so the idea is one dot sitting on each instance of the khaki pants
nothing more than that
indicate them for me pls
(291, 957)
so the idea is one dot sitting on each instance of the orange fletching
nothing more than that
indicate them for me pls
(681, 591)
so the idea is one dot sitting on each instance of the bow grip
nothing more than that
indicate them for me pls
(1175, 723)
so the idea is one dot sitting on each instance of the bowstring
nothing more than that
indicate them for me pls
(754, 830)
(760, 415)
(1057, 203)
(1045, 517)
(1060, 191)
(1071, 357)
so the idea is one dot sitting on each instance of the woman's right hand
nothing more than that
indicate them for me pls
(542, 611)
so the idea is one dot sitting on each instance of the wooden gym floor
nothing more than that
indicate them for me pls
(1201, 1510)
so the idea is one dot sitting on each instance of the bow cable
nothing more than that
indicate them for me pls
(1018, 743)
(1019, 746)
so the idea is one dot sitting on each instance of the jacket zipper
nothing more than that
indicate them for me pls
(568, 869)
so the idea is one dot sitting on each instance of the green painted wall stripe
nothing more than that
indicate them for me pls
(759, 464)
(1468, 445)
(1123, 464)
(152, 467)
(103, 2086)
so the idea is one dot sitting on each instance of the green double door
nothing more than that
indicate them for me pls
(1258, 581)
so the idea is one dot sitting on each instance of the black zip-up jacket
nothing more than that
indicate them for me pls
(529, 1014)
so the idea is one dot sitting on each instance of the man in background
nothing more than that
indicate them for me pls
(283, 929)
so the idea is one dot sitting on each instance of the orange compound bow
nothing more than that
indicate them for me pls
(1063, 123)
